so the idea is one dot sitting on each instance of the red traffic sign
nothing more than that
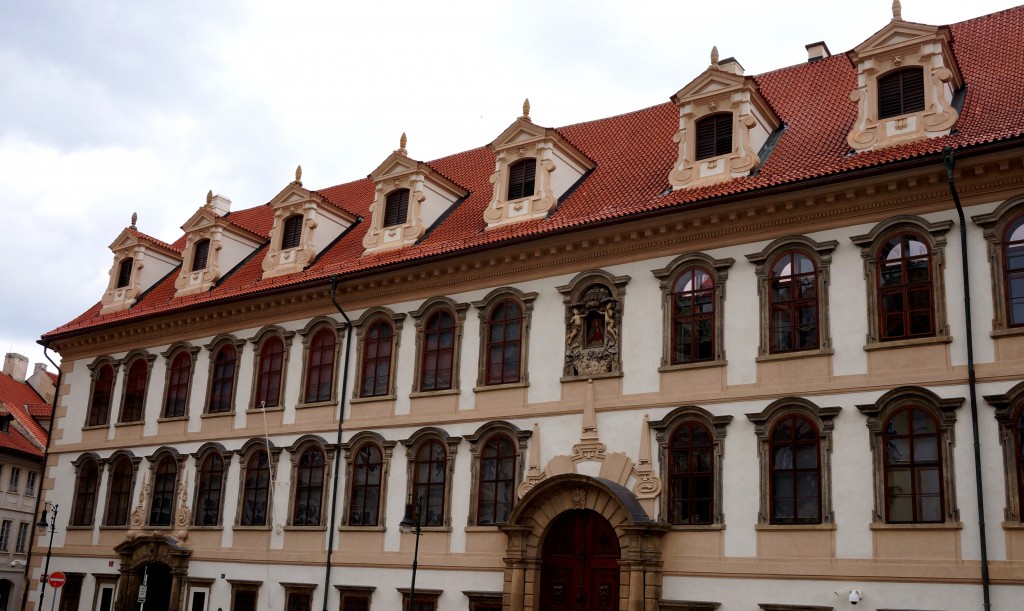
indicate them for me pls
(57, 579)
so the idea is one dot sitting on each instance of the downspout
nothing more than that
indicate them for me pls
(46, 455)
(337, 445)
(947, 156)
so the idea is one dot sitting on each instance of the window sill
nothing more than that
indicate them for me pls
(80, 527)
(121, 527)
(696, 527)
(694, 365)
(483, 528)
(256, 410)
(95, 427)
(328, 403)
(592, 376)
(1013, 525)
(119, 425)
(173, 419)
(434, 393)
(908, 343)
(432, 529)
(217, 414)
(251, 528)
(796, 527)
(363, 529)
(206, 528)
(911, 527)
(293, 528)
(1007, 332)
(490, 387)
(381, 398)
(796, 354)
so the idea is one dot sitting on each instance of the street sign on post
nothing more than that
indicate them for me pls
(57, 579)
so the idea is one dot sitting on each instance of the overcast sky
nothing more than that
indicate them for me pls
(109, 108)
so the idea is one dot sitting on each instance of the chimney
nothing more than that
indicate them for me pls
(16, 366)
(817, 51)
(220, 204)
(39, 368)
(41, 382)
(730, 64)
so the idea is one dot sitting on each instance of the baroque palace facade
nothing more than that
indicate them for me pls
(712, 354)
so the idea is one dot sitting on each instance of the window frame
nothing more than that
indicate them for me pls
(298, 589)
(900, 72)
(401, 208)
(248, 586)
(477, 442)
(21, 542)
(426, 599)
(260, 342)
(485, 308)
(175, 352)
(78, 517)
(994, 228)
(943, 412)
(253, 448)
(96, 369)
(362, 327)
(413, 445)
(346, 593)
(14, 479)
(137, 395)
(214, 348)
(351, 454)
(156, 462)
(296, 452)
(765, 423)
(309, 335)
(421, 318)
(201, 250)
(521, 182)
(718, 270)
(716, 140)
(125, 271)
(30, 482)
(205, 453)
(109, 508)
(1009, 415)
(292, 230)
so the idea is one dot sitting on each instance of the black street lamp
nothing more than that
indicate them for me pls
(41, 526)
(406, 525)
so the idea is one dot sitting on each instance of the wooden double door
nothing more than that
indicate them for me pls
(580, 564)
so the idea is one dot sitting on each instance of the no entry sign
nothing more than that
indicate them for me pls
(57, 579)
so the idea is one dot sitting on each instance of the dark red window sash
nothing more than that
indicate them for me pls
(309, 488)
(793, 305)
(376, 369)
(496, 486)
(916, 466)
(210, 480)
(436, 371)
(693, 317)
(135, 391)
(102, 389)
(364, 492)
(223, 385)
(430, 472)
(691, 475)
(504, 343)
(268, 381)
(795, 437)
(177, 386)
(396, 208)
(320, 366)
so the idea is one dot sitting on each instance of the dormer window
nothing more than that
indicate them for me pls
(124, 272)
(213, 245)
(901, 92)
(200, 255)
(140, 261)
(521, 178)
(714, 135)
(292, 234)
(396, 209)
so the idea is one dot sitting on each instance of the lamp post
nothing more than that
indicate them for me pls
(41, 525)
(407, 524)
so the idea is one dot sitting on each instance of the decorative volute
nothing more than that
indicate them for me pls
(226, 245)
(140, 261)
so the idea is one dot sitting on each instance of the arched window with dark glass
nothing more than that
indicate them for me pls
(901, 92)
(430, 471)
(905, 288)
(102, 392)
(793, 299)
(913, 467)
(364, 495)
(292, 234)
(255, 490)
(1013, 255)
(165, 477)
(268, 373)
(504, 342)
(691, 475)
(222, 385)
(119, 492)
(522, 179)
(693, 317)
(437, 361)
(714, 136)
(200, 254)
(209, 485)
(135, 391)
(124, 272)
(1018, 446)
(376, 370)
(396, 208)
(497, 482)
(177, 385)
(320, 366)
(309, 488)
(85, 493)
(795, 472)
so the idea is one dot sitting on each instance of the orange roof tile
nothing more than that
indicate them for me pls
(16, 397)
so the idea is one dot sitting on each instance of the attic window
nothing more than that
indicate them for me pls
(292, 232)
(714, 136)
(200, 255)
(396, 209)
(521, 179)
(124, 273)
(901, 92)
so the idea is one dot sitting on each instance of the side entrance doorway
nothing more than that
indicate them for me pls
(580, 564)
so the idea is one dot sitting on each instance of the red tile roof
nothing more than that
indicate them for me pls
(16, 398)
(148, 238)
(634, 153)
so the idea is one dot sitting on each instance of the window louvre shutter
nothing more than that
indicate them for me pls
(396, 208)
(292, 232)
(901, 92)
(714, 136)
(124, 273)
(522, 179)
(201, 254)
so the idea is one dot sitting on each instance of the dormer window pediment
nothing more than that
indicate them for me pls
(907, 77)
(533, 167)
(139, 263)
(409, 197)
(304, 225)
(723, 123)
(213, 246)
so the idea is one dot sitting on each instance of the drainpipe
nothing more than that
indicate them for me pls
(947, 156)
(46, 455)
(337, 446)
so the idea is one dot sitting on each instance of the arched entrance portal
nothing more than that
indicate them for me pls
(164, 562)
(157, 579)
(580, 564)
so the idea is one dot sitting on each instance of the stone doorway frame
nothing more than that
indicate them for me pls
(152, 549)
(639, 539)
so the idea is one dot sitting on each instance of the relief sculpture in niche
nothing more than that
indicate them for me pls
(592, 333)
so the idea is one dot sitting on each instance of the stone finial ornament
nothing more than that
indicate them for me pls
(298, 174)
(526, 109)
(401, 144)
(209, 198)
(135, 219)
(897, 10)
(714, 57)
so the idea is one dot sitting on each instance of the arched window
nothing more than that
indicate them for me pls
(102, 391)
(365, 487)
(209, 484)
(396, 208)
(1013, 255)
(376, 369)
(309, 488)
(200, 254)
(1018, 445)
(438, 352)
(794, 303)
(691, 473)
(222, 382)
(497, 480)
(255, 489)
(522, 179)
(165, 478)
(901, 92)
(320, 366)
(714, 136)
(913, 467)
(124, 272)
(905, 288)
(135, 391)
(177, 385)
(430, 471)
(292, 234)
(119, 491)
(504, 342)
(85, 493)
(269, 370)
(795, 471)
(693, 317)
